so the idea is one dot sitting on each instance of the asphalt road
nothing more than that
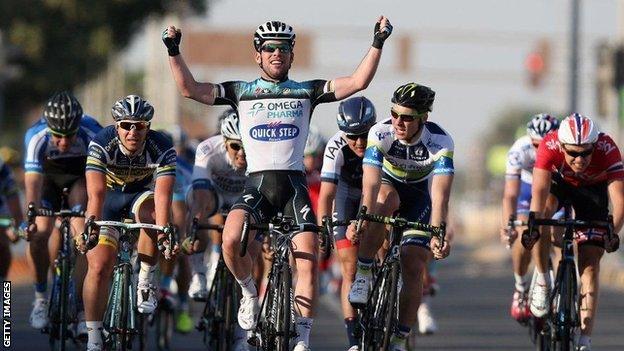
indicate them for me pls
(471, 310)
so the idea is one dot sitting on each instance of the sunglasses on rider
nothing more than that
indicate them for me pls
(406, 117)
(283, 47)
(63, 135)
(128, 125)
(582, 154)
(355, 137)
(236, 146)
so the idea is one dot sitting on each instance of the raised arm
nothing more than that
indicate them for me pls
(364, 73)
(187, 85)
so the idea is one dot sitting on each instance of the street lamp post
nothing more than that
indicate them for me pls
(574, 61)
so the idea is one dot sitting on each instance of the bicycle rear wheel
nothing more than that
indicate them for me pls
(284, 308)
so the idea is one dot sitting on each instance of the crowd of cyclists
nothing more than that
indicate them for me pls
(269, 160)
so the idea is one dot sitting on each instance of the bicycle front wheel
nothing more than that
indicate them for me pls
(390, 319)
(284, 315)
(564, 318)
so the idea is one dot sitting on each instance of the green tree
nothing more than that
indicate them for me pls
(65, 42)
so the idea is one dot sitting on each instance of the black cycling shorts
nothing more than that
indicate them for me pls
(53, 185)
(268, 193)
(589, 202)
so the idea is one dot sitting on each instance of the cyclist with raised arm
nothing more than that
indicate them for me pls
(218, 181)
(404, 154)
(56, 153)
(516, 201)
(275, 115)
(9, 206)
(341, 190)
(125, 160)
(580, 166)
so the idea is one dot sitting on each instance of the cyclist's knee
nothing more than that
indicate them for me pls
(100, 265)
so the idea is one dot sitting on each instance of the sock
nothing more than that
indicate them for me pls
(521, 282)
(543, 279)
(364, 265)
(248, 287)
(146, 273)
(40, 290)
(94, 330)
(197, 263)
(585, 340)
(350, 325)
(402, 331)
(165, 282)
(303, 326)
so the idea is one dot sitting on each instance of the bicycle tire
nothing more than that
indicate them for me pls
(120, 336)
(284, 314)
(390, 318)
(267, 323)
(563, 317)
(164, 328)
(143, 331)
(63, 314)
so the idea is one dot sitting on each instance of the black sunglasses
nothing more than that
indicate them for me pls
(405, 117)
(139, 126)
(357, 136)
(235, 146)
(285, 48)
(582, 154)
(63, 135)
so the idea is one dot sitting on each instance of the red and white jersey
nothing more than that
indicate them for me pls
(605, 165)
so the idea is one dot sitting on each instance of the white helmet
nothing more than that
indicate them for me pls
(230, 125)
(315, 142)
(273, 30)
(540, 125)
(577, 129)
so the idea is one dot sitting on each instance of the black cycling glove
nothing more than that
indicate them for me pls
(381, 34)
(172, 44)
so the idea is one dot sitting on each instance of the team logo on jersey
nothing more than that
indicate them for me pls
(278, 109)
(382, 135)
(274, 132)
(605, 146)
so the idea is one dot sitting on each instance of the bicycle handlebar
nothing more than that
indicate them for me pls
(573, 223)
(196, 226)
(512, 223)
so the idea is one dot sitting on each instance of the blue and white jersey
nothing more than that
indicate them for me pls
(431, 153)
(42, 156)
(521, 159)
(214, 170)
(340, 163)
(274, 119)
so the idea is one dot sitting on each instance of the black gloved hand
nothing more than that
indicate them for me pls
(381, 34)
(172, 44)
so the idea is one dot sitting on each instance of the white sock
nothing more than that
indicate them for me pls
(197, 263)
(303, 326)
(248, 287)
(146, 273)
(543, 279)
(94, 330)
(521, 282)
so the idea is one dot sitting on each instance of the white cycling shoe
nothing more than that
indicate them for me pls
(198, 290)
(358, 296)
(539, 300)
(248, 312)
(39, 314)
(426, 323)
(146, 297)
(301, 346)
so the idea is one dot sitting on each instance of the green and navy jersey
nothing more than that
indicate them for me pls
(430, 154)
(131, 173)
(274, 119)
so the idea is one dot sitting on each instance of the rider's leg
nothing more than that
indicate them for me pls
(541, 253)
(305, 253)
(414, 261)
(589, 256)
(78, 199)
(143, 210)
(348, 262)
(39, 258)
(100, 261)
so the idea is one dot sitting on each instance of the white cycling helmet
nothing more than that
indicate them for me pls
(577, 129)
(315, 142)
(230, 125)
(540, 125)
(273, 30)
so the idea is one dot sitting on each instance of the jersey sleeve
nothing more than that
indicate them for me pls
(201, 169)
(333, 160)
(97, 157)
(513, 166)
(322, 91)
(373, 156)
(612, 158)
(443, 164)
(228, 93)
(168, 160)
(547, 153)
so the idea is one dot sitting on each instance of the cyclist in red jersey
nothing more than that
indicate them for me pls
(582, 166)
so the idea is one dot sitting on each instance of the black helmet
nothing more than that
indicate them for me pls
(356, 115)
(414, 96)
(134, 108)
(273, 30)
(63, 113)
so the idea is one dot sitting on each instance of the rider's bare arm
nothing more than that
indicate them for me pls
(440, 194)
(96, 192)
(539, 191)
(33, 183)
(616, 196)
(327, 194)
(163, 193)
